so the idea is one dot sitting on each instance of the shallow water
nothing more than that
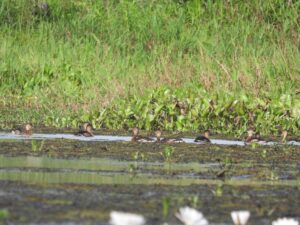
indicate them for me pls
(109, 171)
(44, 136)
(62, 181)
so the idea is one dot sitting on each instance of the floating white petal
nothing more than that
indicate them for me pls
(190, 216)
(121, 218)
(240, 217)
(285, 221)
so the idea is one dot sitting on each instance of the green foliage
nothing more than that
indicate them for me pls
(138, 156)
(168, 152)
(178, 65)
(37, 145)
(218, 192)
(165, 207)
(4, 214)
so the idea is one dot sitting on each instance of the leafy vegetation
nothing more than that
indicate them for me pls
(168, 153)
(178, 65)
(4, 214)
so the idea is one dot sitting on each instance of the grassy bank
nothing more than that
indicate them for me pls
(180, 65)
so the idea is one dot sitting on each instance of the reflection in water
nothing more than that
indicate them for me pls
(109, 171)
(128, 179)
(98, 164)
(155, 189)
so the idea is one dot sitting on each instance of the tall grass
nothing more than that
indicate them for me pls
(87, 55)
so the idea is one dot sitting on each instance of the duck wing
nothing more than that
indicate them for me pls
(141, 139)
(202, 139)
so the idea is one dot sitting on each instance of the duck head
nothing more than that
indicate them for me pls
(89, 128)
(28, 127)
(284, 135)
(206, 134)
(250, 132)
(135, 131)
(85, 126)
(158, 134)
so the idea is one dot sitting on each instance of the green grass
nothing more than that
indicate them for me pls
(104, 61)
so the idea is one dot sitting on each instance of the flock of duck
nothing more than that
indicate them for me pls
(86, 130)
(190, 216)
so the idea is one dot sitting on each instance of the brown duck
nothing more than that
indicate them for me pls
(203, 138)
(27, 130)
(253, 137)
(138, 138)
(166, 140)
(86, 130)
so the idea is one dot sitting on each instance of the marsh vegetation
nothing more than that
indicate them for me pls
(179, 65)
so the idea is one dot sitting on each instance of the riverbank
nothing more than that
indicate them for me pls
(178, 65)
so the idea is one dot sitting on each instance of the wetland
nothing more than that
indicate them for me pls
(65, 181)
(181, 66)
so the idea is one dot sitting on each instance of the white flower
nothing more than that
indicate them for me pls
(121, 218)
(285, 221)
(240, 217)
(190, 216)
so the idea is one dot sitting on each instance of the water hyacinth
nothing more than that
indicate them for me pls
(285, 221)
(240, 217)
(122, 218)
(190, 216)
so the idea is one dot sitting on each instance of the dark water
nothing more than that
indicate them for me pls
(58, 181)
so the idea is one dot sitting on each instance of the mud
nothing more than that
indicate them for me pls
(75, 182)
(61, 203)
(150, 151)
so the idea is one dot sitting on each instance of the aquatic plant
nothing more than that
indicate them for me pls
(240, 217)
(273, 176)
(194, 200)
(136, 155)
(122, 218)
(4, 214)
(37, 145)
(165, 206)
(285, 221)
(190, 216)
(132, 167)
(218, 192)
(168, 152)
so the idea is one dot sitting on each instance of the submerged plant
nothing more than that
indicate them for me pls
(132, 167)
(273, 176)
(138, 155)
(218, 192)
(135, 155)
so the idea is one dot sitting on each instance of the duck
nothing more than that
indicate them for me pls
(27, 130)
(138, 138)
(86, 130)
(284, 135)
(203, 138)
(253, 137)
(166, 140)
